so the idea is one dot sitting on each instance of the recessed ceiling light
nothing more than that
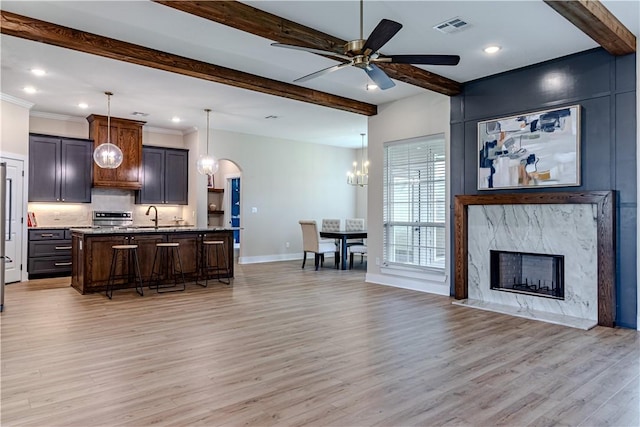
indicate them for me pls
(371, 87)
(139, 114)
(175, 119)
(492, 49)
(83, 105)
(29, 89)
(38, 71)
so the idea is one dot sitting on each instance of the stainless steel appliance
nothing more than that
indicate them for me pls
(113, 219)
(3, 213)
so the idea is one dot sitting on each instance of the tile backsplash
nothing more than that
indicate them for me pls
(103, 199)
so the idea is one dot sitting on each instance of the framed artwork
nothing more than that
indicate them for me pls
(533, 150)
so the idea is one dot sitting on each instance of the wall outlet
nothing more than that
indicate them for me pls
(377, 261)
(254, 210)
(286, 245)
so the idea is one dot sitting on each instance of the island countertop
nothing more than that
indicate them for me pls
(92, 250)
(148, 229)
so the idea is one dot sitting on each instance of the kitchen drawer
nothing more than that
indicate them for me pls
(50, 265)
(47, 234)
(39, 248)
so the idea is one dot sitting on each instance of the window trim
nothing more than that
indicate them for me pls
(430, 273)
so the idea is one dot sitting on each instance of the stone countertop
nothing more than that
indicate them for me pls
(145, 229)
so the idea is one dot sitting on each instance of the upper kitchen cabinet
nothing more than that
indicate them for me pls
(60, 169)
(127, 135)
(164, 176)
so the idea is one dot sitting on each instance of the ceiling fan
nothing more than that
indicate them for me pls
(363, 53)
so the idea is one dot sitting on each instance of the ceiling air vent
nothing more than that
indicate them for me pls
(452, 25)
(139, 114)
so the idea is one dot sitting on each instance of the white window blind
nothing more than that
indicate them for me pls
(415, 202)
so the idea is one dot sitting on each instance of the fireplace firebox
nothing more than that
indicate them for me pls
(528, 273)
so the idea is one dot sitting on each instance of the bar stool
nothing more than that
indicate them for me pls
(165, 256)
(134, 267)
(218, 248)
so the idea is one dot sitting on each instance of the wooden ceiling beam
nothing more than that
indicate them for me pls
(595, 20)
(255, 21)
(45, 32)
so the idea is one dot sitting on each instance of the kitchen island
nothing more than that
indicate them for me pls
(91, 252)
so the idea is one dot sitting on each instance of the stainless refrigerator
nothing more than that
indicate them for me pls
(3, 214)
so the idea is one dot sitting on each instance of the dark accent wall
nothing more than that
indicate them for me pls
(605, 87)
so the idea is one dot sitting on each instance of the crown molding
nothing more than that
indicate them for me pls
(54, 116)
(17, 101)
(153, 129)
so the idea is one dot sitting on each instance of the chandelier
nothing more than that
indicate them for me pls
(207, 165)
(108, 155)
(360, 176)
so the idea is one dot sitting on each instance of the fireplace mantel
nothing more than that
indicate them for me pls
(605, 204)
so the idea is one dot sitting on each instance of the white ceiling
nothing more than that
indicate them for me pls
(528, 31)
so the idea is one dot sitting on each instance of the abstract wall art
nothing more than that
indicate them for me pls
(532, 150)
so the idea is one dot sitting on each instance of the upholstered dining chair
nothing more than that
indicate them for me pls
(357, 249)
(332, 225)
(311, 243)
(354, 224)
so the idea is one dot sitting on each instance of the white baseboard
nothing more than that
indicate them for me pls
(437, 288)
(274, 258)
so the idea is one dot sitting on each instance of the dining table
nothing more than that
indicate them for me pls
(343, 236)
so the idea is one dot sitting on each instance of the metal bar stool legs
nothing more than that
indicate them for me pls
(133, 268)
(165, 260)
(218, 247)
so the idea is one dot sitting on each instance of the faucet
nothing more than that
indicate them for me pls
(155, 220)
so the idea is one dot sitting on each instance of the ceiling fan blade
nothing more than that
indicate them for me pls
(380, 35)
(312, 50)
(420, 59)
(322, 72)
(379, 77)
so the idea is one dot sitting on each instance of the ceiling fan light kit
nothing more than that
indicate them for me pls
(363, 53)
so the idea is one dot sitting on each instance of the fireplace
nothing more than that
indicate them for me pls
(527, 273)
(579, 225)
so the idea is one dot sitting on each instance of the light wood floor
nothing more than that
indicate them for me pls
(285, 346)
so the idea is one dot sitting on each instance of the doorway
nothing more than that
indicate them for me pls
(233, 207)
(14, 219)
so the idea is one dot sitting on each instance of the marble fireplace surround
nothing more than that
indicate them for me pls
(603, 201)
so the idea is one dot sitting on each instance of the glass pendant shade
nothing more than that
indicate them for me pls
(207, 165)
(359, 176)
(108, 155)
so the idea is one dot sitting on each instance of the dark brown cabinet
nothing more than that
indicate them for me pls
(60, 169)
(127, 135)
(49, 253)
(91, 254)
(164, 176)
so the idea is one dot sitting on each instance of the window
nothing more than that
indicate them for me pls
(415, 203)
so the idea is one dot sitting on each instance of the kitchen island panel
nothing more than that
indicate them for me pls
(92, 252)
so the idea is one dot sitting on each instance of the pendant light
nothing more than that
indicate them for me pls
(108, 155)
(359, 177)
(207, 165)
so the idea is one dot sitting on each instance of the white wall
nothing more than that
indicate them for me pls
(14, 126)
(284, 181)
(420, 115)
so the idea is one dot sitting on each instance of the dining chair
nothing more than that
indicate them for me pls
(332, 225)
(354, 224)
(357, 249)
(311, 243)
